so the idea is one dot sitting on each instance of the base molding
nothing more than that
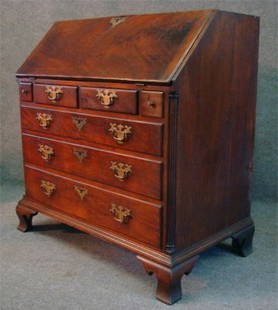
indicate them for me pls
(168, 268)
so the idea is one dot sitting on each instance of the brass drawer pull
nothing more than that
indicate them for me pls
(121, 214)
(46, 151)
(54, 93)
(44, 120)
(82, 192)
(106, 97)
(80, 154)
(121, 170)
(120, 132)
(79, 122)
(47, 188)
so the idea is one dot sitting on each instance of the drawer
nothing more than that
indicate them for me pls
(145, 137)
(137, 175)
(56, 95)
(123, 215)
(151, 103)
(113, 100)
(25, 91)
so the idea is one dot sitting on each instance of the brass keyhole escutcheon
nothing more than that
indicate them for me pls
(79, 122)
(47, 188)
(121, 214)
(80, 154)
(82, 192)
(46, 151)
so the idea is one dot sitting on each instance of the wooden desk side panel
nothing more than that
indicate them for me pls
(215, 133)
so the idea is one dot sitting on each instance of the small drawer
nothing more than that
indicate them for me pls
(25, 91)
(151, 103)
(113, 100)
(56, 95)
(139, 136)
(95, 206)
(142, 176)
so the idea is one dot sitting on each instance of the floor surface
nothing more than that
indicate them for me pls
(56, 267)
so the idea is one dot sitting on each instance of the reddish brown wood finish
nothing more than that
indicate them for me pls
(168, 279)
(218, 87)
(25, 91)
(68, 98)
(151, 103)
(146, 137)
(187, 89)
(96, 164)
(124, 102)
(142, 47)
(95, 207)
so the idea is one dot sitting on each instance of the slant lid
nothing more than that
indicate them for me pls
(132, 48)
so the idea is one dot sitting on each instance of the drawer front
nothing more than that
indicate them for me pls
(56, 95)
(132, 174)
(138, 136)
(25, 91)
(133, 218)
(151, 103)
(113, 100)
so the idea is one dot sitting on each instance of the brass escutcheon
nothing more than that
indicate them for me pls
(46, 151)
(82, 192)
(80, 154)
(44, 120)
(47, 188)
(106, 97)
(114, 21)
(121, 170)
(79, 122)
(120, 132)
(120, 213)
(54, 93)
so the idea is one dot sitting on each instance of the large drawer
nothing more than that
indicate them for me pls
(145, 137)
(121, 214)
(134, 174)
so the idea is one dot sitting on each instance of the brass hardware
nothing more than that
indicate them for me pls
(79, 122)
(47, 188)
(106, 97)
(44, 120)
(82, 192)
(80, 154)
(54, 93)
(46, 151)
(114, 21)
(151, 104)
(24, 91)
(120, 132)
(120, 213)
(121, 170)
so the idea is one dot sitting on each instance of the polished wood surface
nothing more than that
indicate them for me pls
(124, 101)
(95, 164)
(95, 207)
(68, 97)
(151, 103)
(141, 47)
(153, 153)
(145, 137)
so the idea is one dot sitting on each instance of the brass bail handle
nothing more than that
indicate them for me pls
(106, 97)
(54, 93)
